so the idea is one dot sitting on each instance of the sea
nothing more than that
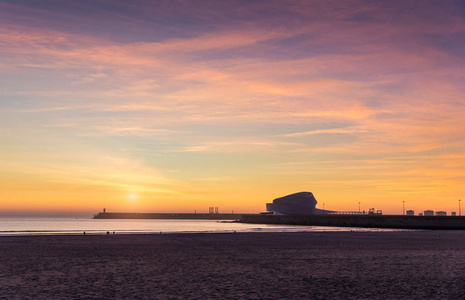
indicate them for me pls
(14, 226)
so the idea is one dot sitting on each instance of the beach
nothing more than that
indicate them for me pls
(304, 265)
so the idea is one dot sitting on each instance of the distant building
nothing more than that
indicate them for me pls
(420, 214)
(441, 213)
(302, 203)
(410, 212)
(212, 210)
(428, 213)
(453, 214)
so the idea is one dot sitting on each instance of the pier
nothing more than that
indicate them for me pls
(370, 221)
(187, 216)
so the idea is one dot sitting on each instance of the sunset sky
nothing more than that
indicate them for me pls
(160, 106)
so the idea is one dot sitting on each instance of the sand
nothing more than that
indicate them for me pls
(331, 265)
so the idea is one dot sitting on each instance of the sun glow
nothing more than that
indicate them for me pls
(133, 197)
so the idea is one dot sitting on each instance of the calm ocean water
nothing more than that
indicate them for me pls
(68, 225)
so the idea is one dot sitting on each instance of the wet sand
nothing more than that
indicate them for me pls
(331, 265)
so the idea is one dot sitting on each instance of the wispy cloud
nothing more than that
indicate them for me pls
(210, 179)
(327, 131)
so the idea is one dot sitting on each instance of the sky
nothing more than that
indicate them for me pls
(177, 106)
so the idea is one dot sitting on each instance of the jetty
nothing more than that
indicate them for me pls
(186, 216)
(368, 220)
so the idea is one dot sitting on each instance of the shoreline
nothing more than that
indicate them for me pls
(305, 229)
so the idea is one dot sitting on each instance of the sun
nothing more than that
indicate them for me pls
(133, 197)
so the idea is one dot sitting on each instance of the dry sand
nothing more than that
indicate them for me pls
(331, 265)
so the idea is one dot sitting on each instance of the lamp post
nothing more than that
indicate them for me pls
(460, 210)
(359, 207)
(403, 208)
(323, 206)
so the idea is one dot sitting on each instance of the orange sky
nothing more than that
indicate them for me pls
(163, 106)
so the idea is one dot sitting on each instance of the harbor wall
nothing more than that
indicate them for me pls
(371, 221)
(189, 216)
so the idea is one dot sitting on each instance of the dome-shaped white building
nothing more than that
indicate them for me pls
(302, 203)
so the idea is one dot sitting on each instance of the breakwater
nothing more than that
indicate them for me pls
(187, 216)
(371, 221)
